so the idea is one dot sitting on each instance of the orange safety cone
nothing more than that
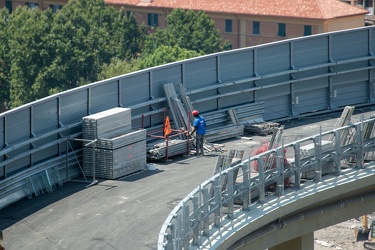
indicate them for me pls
(167, 127)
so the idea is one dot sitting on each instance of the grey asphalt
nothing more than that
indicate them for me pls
(129, 213)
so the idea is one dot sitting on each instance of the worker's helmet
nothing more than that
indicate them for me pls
(195, 112)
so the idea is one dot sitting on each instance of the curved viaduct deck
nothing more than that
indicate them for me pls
(281, 223)
(128, 213)
(289, 79)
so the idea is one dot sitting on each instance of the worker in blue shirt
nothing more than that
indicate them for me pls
(199, 125)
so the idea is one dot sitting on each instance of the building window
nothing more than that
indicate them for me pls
(256, 27)
(228, 25)
(153, 20)
(307, 30)
(281, 31)
(55, 7)
(8, 5)
(31, 5)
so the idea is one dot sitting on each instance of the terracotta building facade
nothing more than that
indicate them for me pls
(241, 23)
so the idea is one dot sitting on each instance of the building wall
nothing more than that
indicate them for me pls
(344, 23)
(42, 4)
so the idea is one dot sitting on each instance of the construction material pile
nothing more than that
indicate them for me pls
(175, 147)
(116, 150)
(222, 124)
(261, 128)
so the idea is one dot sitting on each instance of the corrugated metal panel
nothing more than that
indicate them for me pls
(200, 73)
(2, 133)
(237, 99)
(310, 95)
(312, 100)
(2, 145)
(310, 52)
(45, 117)
(276, 107)
(206, 105)
(350, 94)
(44, 154)
(19, 164)
(234, 66)
(352, 77)
(274, 80)
(149, 120)
(351, 88)
(277, 101)
(311, 73)
(350, 66)
(273, 59)
(18, 126)
(305, 86)
(349, 45)
(73, 106)
(104, 96)
(283, 90)
(135, 89)
(164, 75)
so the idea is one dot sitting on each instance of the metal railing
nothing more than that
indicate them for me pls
(202, 212)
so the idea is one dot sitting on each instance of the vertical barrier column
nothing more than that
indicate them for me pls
(246, 185)
(318, 160)
(280, 170)
(359, 145)
(297, 166)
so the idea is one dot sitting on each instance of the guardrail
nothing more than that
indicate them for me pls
(203, 211)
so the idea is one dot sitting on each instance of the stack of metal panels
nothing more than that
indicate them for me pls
(133, 136)
(116, 163)
(107, 124)
(175, 147)
(119, 150)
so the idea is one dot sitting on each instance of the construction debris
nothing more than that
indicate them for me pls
(223, 162)
(162, 150)
(263, 128)
(222, 124)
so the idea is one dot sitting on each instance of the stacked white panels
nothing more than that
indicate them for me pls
(119, 150)
(107, 124)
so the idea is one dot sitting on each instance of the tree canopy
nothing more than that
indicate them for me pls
(188, 30)
(43, 53)
(166, 54)
(46, 53)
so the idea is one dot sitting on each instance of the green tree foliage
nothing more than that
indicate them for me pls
(29, 51)
(189, 30)
(45, 53)
(4, 58)
(88, 34)
(166, 54)
(118, 67)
